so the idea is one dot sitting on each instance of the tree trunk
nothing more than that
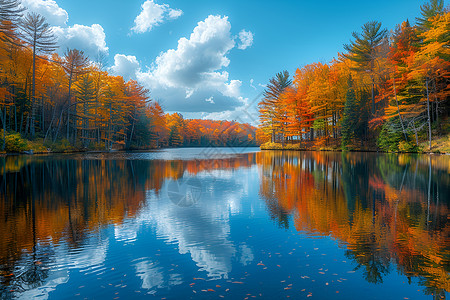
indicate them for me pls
(68, 108)
(51, 124)
(21, 123)
(59, 126)
(4, 130)
(373, 95)
(429, 117)
(437, 102)
(132, 127)
(27, 126)
(43, 116)
(33, 88)
(83, 132)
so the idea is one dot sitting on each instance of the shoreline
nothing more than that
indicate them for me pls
(260, 148)
(360, 151)
(113, 151)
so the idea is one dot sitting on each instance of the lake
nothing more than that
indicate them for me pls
(235, 223)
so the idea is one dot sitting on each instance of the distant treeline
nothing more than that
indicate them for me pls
(196, 133)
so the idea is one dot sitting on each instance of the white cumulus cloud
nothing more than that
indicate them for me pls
(184, 77)
(210, 100)
(54, 14)
(90, 39)
(246, 39)
(153, 14)
(126, 66)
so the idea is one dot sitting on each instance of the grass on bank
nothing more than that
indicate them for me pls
(15, 143)
(440, 144)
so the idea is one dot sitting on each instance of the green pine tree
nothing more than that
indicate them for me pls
(350, 118)
(427, 11)
(366, 49)
(175, 138)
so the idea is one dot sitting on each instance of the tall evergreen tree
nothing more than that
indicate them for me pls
(350, 118)
(428, 11)
(85, 96)
(39, 35)
(270, 103)
(10, 12)
(365, 50)
(75, 63)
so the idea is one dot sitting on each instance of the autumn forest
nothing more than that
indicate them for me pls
(70, 102)
(175, 149)
(388, 91)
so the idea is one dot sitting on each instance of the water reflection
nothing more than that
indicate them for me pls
(61, 214)
(389, 211)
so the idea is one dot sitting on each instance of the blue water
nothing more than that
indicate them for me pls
(183, 224)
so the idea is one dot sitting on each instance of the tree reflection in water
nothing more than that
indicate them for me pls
(388, 211)
(383, 208)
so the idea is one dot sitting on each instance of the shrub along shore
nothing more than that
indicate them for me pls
(440, 145)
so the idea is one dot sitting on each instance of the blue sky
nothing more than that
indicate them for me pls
(210, 58)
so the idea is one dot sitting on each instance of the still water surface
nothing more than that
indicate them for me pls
(233, 223)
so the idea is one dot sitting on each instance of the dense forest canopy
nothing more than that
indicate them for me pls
(388, 91)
